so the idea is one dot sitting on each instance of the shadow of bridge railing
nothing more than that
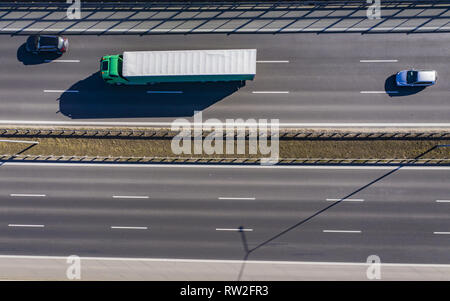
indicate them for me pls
(254, 17)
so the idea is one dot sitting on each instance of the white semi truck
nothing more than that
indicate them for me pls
(148, 67)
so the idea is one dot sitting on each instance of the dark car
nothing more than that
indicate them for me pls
(46, 43)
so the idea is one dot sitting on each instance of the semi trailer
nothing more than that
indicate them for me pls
(149, 67)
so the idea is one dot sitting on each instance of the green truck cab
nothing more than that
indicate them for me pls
(111, 69)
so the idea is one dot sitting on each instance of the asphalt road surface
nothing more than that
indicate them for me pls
(156, 211)
(310, 79)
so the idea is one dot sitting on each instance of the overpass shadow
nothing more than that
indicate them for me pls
(28, 58)
(96, 99)
(393, 90)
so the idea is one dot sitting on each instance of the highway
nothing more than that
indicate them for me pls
(302, 79)
(158, 211)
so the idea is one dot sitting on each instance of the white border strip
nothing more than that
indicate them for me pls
(38, 257)
(282, 125)
(212, 166)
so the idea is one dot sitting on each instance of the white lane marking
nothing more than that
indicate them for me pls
(61, 91)
(378, 92)
(164, 92)
(270, 92)
(235, 198)
(168, 124)
(442, 201)
(378, 61)
(62, 61)
(444, 233)
(27, 195)
(29, 226)
(269, 62)
(345, 200)
(21, 141)
(129, 228)
(341, 231)
(230, 229)
(212, 166)
(130, 196)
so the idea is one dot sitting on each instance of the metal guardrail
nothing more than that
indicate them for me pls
(162, 133)
(191, 160)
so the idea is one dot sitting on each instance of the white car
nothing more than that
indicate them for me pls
(415, 78)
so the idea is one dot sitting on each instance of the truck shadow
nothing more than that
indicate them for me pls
(96, 99)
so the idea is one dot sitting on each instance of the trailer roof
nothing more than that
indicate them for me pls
(189, 62)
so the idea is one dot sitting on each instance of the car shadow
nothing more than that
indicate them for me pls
(93, 98)
(393, 90)
(28, 58)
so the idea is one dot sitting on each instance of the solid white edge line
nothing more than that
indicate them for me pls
(24, 225)
(169, 124)
(130, 196)
(234, 229)
(235, 198)
(341, 231)
(444, 233)
(364, 264)
(442, 201)
(328, 167)
(27, 195)
(129, 228)
(345, 200)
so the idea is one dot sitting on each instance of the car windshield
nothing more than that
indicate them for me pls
(411, 77)
(105, 66)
